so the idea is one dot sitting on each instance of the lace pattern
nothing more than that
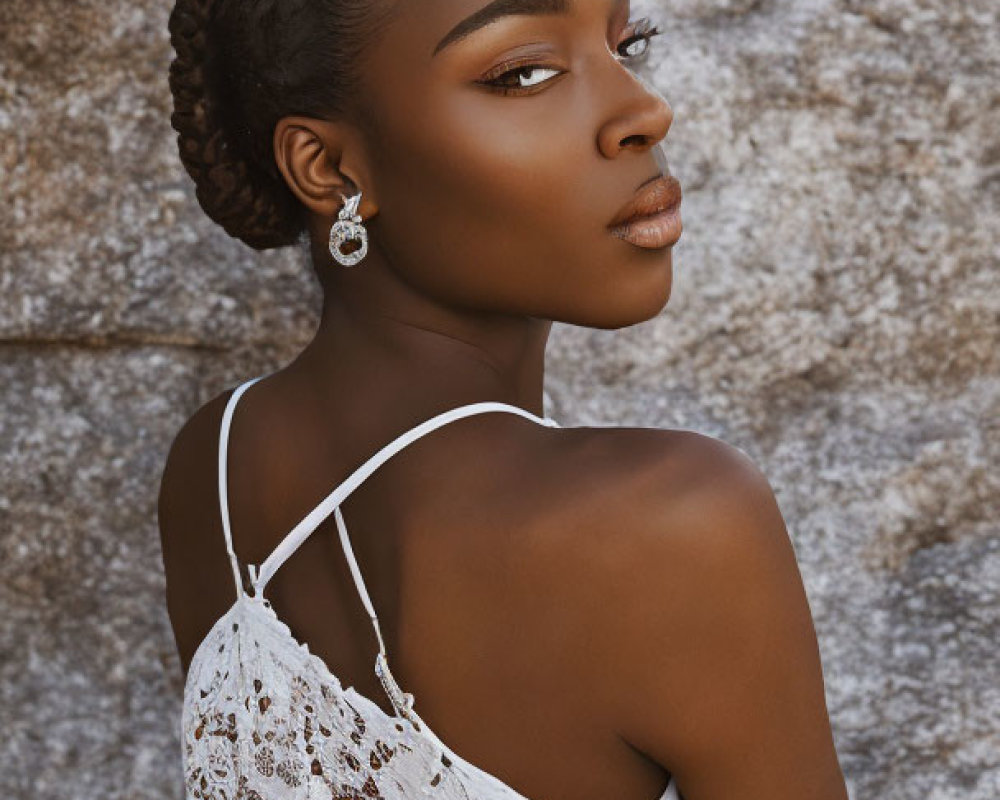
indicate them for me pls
(265, 719)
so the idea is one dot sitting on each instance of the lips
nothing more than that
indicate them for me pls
(658, 195)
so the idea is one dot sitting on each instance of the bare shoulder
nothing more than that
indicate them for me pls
(193, 454)
(614, 520)
(649, 492)
(189, 459)
(699, 643)
(190, 526)
(193, 437)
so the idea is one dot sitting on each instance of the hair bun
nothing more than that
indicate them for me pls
(251, 205)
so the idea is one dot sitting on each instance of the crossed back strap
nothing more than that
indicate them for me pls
(331, 503)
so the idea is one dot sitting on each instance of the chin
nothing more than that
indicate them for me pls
(629, 302)
(640, 299)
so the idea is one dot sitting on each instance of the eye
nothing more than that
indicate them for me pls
(525, 76)
(636, 44)
(522, 78)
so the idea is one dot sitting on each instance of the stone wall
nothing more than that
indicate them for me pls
(835, 314)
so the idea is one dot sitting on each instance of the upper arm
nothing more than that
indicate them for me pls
(721, 680)
(190, 530)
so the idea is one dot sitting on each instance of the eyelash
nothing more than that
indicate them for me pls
(642, 30)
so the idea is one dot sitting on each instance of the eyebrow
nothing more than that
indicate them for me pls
(496, 10)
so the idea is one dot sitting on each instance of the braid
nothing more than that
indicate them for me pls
(249, 205)
(242, 65)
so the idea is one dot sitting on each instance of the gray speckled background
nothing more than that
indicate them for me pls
(835, 314)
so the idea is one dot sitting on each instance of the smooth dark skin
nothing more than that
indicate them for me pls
(580, 611)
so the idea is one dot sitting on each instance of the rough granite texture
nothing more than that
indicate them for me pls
(835, 314)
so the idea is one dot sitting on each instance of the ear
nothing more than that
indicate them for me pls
(323, 162)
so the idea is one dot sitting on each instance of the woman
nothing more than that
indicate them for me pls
(580, 612)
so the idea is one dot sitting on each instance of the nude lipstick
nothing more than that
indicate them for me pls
(652, 218)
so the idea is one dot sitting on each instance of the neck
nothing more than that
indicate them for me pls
(380, 335)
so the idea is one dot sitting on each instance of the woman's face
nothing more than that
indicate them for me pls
(498, 198)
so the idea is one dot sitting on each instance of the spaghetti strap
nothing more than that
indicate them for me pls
(326, 506)
(227, 419)
(293, 540)
(259, 576)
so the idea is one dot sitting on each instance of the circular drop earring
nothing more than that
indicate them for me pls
(348, 228)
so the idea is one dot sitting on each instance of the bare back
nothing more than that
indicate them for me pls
(476, 544)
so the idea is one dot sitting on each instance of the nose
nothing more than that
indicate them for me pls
(640, 118)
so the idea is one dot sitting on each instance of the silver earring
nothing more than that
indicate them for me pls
(347, 228)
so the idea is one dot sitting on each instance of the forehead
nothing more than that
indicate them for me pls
(424, 28)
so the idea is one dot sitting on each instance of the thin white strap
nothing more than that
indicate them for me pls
(311, 521)
(227, 418)
(401, 701)
(259, 576)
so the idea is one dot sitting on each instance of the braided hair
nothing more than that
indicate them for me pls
(242, 65)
